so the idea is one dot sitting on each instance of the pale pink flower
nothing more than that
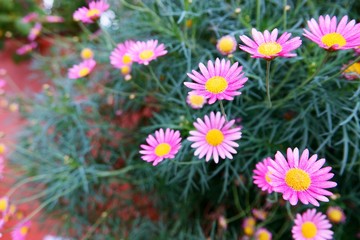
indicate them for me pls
(259, 214)
(144, 52)
(336, 214)
(2, 83)
(311, 225)
(302, 178)
(214, 137)
(262, 175)
(120, 56)
(195, 101)
(351, 72)
(54, 19)
(30, 17)
(263, 234)
(26, 48)
(217, 81)
(332, 36)
(164, 145)
(266, 45)
(81, 70)
(226, 45)
(35, 31)
(20, 231)
(92, 12)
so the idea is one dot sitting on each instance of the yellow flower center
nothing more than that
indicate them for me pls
(127, 59)
(125, 70)
(24, 230)
(267, 177)
(2, 148)
(87, 53)
(249, 230)
(308, 229)
(331, 39)
(197, 100)
(335, 215)
(162, 149)
(269, 49)
(146, 54)
(3, 204)
(214, 137)
(353, 68)
(297, 179)
(216, 85)
(226, 45)
(93, 13)
(263, 235)
(84, 71)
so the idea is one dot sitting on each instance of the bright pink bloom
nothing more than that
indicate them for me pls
(214, 137)
(332, 36)
(81, 70)
(54, 19)
(336, 214)
(226, 45)
(92, 13)
(35, 32)
(30, 17)
(267, 45)
(26, 48)
(164, 145)
(120, 56)
(263, 234)
(195, 101)
(218, 81)
(20, 231)
(301, 178)
(311, 225)
(145, 52)
(2, 83)
(262, 175)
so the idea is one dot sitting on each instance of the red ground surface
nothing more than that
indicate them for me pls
(10, 123)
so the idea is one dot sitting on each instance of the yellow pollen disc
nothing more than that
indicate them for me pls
(267, 177)
(2, 148)
(226, 45)
(24, 230)
(87, 53)
(353, 68)
(331, 39)
(3, 204)
(335, 215)
(214, 137)
(84, 71)
(216, 85)
(249, 230)
(93, 13)
(263, 236)
(308, 229)
(146, 54)
(297, 179)
(162, 149)
(126, 59)
(197, 100)
(269, 49)
(125, 70)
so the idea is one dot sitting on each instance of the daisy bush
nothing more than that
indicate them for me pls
(197, 120)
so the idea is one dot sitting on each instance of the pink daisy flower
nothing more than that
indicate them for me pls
(164, 145)
(54, 19)
(92, 13)
(259, 214)
(301, 178)
(332, 36)
(20, 231)
(267, 45)
(26, 48)
(311, 225)
(195, 101)
(336, 214)
(249, 226)
(81, 70)
(218, 81)
(2, 165)
(226, 45)
(2, 83)
(263, 234)
(120, 56)
(262, 175)
(145, 52)
(214, 137)
(30, 17)
(352, 71)
(35, 32)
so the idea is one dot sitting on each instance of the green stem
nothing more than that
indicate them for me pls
(284, 15)
(25, 181)
(268, 82)
(95, 225)
(258, 12)
(157, 80)
(116, 172)
(223, 110)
